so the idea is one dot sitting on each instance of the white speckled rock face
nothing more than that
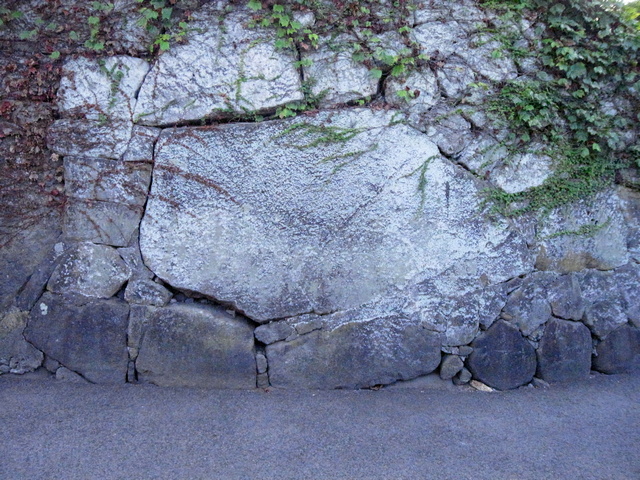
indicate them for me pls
(224, 69)
(317, 214)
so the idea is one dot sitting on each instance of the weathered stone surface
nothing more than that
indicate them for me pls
(353, 351)
(89, 270)
(329, 232)
(133, 259)
(455, 78)
(429, 382)
(24, 253)
(198, 346)
(463, 377)
(565, 298)
(223, 69)
(459, 315)
(274, 332)
(104, 88)
(89, 138)
(262, 380)
(66, 375)
(37, 282)
(106, 180)
(140, 148)
(564, 249)
(619, 352)
(501, 358)
(16, 354)
(630, 203)
(627, 280)
(480, 59)
(450, 366)
(605, 308)
(416, 93)
(261, 363)
(452, 133)
(440, 39)
(139, 318)
(335, 77)
(528, 307)
(564, 353)
(88, 337)
(523, 171)
(101, 222)
(146, 292)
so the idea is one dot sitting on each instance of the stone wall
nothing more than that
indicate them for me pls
(207, 242)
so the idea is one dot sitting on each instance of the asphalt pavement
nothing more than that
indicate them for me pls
(55, 430)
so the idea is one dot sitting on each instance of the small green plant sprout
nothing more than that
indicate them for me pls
(158, 18)
(408, 94)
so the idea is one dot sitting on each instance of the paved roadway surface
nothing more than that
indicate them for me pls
(54, 430)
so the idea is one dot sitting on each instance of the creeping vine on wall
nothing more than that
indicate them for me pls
(584, 101)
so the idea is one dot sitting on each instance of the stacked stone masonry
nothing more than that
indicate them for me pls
(347, 247)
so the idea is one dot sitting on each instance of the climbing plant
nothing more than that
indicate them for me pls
(584, 102)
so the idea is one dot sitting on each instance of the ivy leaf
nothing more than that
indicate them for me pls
(376, 73)
(255, 5)
(166, 13)
(54, 55)
(577, 70)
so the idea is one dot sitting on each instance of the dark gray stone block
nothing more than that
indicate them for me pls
(564, 353)
(88, 336)
(450, 366)
(355, 354)
(197, 346)
(619, 352)
(565, 298)
(528, 307)
(502, 358)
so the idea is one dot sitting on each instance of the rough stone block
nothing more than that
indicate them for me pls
(223, 69)
(605, 306)
(565, 298)
(336, 77)
(619, 352)
(86, 336)
(502, 358)
(16, 354)
(25, 256)
(329, 233)
(101, 222)
(106, 180)
(416, 93)
(139, 317)
(89, 270)
(146, 292)
(273, 332)
(197, 346)
(355, 354)
(105, 87)
(605, 249)
(528, 307)
(450, 366)
(564, 353)
(140, 148)
(89, 138)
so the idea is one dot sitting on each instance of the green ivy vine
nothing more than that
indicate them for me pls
(584, 103)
